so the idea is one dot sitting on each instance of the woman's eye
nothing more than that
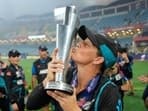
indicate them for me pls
(86, 45)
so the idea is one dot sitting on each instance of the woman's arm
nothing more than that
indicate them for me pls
(37, 98)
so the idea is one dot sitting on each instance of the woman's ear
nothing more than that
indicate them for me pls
(98, 60)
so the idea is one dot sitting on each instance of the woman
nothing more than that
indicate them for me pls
(15, 81)
(92, 91)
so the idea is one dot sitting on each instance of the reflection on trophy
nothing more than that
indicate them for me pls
(65, 34)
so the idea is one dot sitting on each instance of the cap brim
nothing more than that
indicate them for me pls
(96, 39)
(43, 49)
(14, 54)
(85, 33)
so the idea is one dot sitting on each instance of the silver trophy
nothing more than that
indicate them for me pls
(65, 34)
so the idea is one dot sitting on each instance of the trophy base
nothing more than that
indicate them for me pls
(60, 86)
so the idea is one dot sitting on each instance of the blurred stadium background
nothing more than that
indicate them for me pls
(124, 20)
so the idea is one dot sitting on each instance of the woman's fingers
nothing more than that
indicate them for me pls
(58, 96)
(55, 65)
(54, 53)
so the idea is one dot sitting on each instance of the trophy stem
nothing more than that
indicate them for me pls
(59, 77)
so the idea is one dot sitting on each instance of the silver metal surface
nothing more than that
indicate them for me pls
(65, 33)
(59, 86)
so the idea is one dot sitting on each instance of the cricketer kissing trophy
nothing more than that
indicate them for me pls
(65, 34)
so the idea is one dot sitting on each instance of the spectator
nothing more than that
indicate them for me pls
(116, 76)
(15, 81)
(4, 98)
(39, 68)
(125, 62)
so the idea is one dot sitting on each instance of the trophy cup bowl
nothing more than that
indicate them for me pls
(65, 33)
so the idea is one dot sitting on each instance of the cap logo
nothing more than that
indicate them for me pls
(108, 55)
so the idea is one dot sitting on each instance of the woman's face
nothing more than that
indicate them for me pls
(84, 52)
(14, 60)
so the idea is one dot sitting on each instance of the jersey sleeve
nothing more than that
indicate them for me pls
(37, 98)
(9, 79)
(34, 71)
(145, 93)
(111, 99)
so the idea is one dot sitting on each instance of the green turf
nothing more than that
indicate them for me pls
(135, 103)
(132, 103)
(27, 66)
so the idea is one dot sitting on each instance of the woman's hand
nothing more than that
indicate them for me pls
(1, 95)
(143, 78)
(67, 102)
(54, 66)
(125, 57)
(125, 87)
